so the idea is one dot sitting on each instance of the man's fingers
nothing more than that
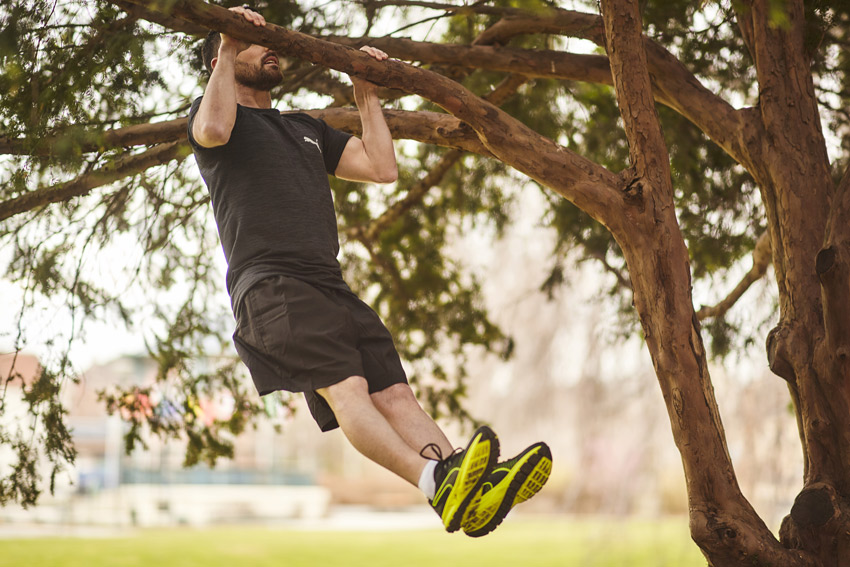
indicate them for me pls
(250, 15)
(374, 52)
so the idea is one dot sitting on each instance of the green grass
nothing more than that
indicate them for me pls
(521, 543)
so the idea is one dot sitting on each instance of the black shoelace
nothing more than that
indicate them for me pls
(435, 448)
(442, 463)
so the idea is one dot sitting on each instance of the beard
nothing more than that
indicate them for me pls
(258, 78)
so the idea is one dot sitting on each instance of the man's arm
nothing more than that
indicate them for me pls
(216, 116)
(371, 157)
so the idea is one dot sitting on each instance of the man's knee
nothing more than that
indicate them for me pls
(398, 397)
(353, 389)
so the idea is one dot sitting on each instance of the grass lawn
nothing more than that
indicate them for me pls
(521, 542)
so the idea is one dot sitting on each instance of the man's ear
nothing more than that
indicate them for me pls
(213, 62)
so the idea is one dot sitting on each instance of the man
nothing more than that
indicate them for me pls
(298, 325)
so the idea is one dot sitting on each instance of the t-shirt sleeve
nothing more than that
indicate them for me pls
(192, 113)
(333, 144)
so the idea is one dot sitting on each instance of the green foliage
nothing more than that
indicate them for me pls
(143, 251)
(43, 434)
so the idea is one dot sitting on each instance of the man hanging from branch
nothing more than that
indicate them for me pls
(298, 325)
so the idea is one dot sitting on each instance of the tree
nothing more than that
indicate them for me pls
(657, 207)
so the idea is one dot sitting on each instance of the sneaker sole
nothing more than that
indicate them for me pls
(527, 482)
(482, 454)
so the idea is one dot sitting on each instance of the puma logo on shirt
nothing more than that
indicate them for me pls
(314, 142)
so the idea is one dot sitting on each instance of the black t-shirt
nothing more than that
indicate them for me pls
(271, 197)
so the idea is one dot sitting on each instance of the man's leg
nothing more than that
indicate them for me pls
(456, 480)
(369, 431)
(400, 407)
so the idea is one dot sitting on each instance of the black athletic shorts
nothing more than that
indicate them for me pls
(298, 337)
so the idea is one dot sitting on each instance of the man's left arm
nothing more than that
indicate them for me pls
(372, 156)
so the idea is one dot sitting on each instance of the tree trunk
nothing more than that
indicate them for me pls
(809, 226)
(723, 523)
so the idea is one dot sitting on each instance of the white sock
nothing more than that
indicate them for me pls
(427, 484)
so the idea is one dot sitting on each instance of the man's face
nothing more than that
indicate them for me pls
(258, 68)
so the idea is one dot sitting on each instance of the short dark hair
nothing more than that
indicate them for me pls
(210, 49)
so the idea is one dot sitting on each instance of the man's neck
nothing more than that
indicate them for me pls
(253, 98)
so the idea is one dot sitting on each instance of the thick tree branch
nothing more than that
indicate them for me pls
(832, 265)
(675, 86)
(588, 185)
(647, 150)
(537, 63)
(84, 184)
(659, 265)
(176, 24)
(84, 140)
(800, 199)
(761, 260)
(427, 127)
(422, 126)
(555, 21)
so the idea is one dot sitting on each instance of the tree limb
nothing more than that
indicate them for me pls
(428, 127)
(555, 21)
(761, 260)
(588, 185)
(162, 19)
(422, 126)
(124, 167)
(369, 232)
(647, 149)
(95, 140)
(538, 63)
(675, 86)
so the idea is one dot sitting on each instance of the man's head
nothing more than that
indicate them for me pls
(210, 49)
(257, 67)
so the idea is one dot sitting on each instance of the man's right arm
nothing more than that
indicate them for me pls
(217, 114)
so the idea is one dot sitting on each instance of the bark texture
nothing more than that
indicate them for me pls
(808, 226)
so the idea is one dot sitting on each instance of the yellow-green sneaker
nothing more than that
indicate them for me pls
(459, 476)
(510, 483)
